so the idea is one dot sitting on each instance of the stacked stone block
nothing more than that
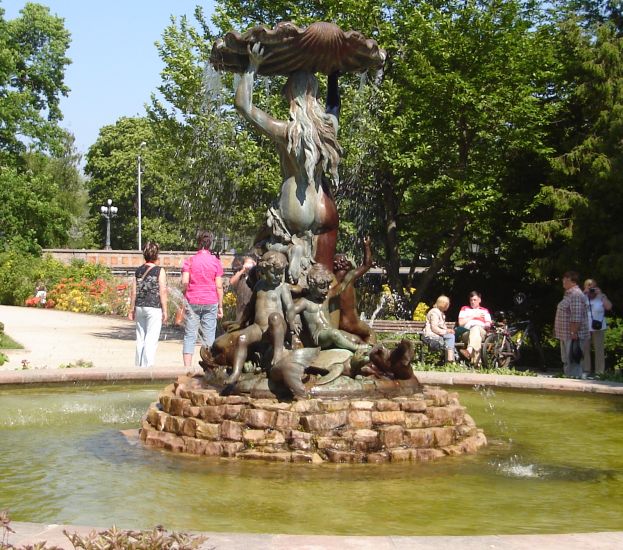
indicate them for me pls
(193, 419)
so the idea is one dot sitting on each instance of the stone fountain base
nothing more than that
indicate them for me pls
(429, 423)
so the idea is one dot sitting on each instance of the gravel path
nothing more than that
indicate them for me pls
(52, 339)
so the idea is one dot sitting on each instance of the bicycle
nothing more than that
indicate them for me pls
(504, 346)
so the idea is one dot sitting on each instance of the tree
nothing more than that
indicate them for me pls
(112, 165)
(40, 188)
(575, 218)
(224, 175)
(32, 69)
(30, 211)
(463, 96)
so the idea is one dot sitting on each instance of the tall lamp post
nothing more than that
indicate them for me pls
(474, 248)
(139, 173)
(108, 211)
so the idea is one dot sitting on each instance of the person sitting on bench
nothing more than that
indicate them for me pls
(436, 333)
(475, 320)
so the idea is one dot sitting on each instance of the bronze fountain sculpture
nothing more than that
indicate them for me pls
(303, 222)
(317, 386)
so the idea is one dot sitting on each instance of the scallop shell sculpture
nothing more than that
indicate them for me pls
(321, 47)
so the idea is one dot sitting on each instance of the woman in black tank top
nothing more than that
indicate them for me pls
(148, 306)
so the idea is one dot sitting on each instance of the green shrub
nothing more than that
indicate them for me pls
(20, 272)
(17, 281)
(613, 343)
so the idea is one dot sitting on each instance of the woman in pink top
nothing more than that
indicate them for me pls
(475, 319)
(202, 284)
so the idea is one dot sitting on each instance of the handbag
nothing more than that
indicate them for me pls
(434, 344)
(596, 324)
(575, 352)
(180, 314)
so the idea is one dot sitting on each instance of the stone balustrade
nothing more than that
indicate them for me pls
(128, 260)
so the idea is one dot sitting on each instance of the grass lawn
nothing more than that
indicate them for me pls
(6, 342)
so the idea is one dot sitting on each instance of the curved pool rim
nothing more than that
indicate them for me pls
(30, 533)
(78, 376)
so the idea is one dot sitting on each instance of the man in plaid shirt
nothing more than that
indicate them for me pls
(571, 323)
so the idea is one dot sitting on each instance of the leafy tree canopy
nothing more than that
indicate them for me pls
(41, 190)
(32, 70)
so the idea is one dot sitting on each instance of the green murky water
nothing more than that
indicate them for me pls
(554, 464)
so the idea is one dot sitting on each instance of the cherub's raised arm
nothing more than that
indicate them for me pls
(275, 129)
(354, 274)
(367, 252)
(368, 262)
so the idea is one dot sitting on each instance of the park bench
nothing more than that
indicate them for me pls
(399, 327)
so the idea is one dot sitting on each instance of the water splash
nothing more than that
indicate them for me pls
(389, 305)
(488, 395)
(179, 300)
(513, 467)
(176, 296)
(378, 309)
(122, 416)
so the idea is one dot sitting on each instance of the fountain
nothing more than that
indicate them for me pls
(551, 460)
(300, 379)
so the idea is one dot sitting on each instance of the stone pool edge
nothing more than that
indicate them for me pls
(65, 376)
(31, 533)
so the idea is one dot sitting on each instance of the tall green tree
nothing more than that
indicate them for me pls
(32, 68)
(30, 211)
(70, 191)
(41, 191)
(575, 218)
(437, 142)
(222, 175)
(112, 167)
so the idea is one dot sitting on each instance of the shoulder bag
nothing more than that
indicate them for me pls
(596, 324)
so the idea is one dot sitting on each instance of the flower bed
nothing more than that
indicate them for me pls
(89, 296)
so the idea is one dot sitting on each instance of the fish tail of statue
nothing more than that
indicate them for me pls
(328, 224)
(325, 248)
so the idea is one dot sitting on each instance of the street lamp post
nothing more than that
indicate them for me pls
(108, 211)
(474, 247)
(138, 177)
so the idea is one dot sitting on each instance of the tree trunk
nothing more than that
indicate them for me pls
(439, 262)
(390, 221)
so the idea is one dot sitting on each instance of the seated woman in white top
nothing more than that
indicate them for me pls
(476, 320)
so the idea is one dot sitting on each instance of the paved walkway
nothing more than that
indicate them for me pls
(58, 339)
(30, 533)
(54, 339)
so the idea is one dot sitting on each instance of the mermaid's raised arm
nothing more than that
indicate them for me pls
(273, 128)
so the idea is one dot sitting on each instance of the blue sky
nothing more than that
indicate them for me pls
(115, 66)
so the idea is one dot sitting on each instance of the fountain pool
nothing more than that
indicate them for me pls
(553, 465)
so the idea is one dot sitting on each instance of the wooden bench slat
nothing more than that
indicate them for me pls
(406, 326)
(401, 325)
